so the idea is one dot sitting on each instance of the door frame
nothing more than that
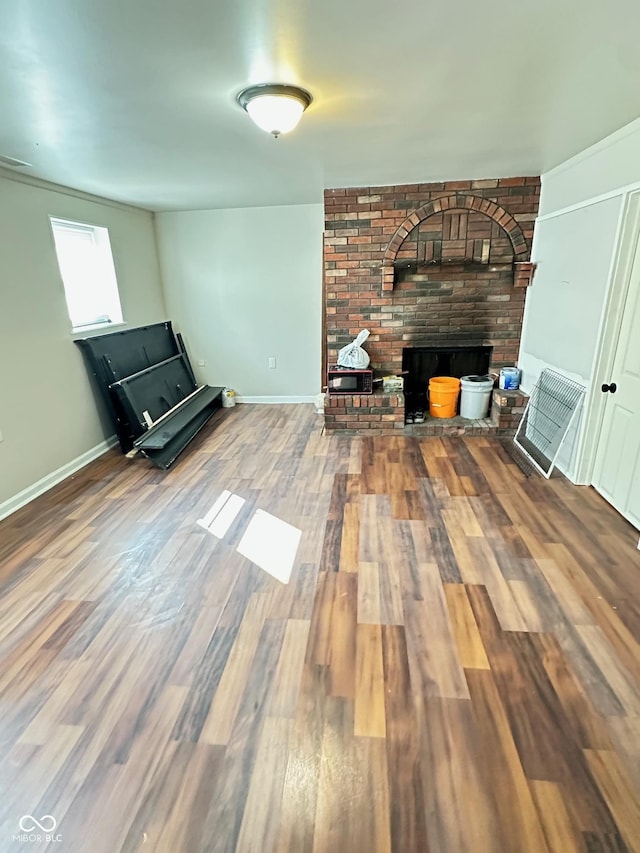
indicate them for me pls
(620, 279)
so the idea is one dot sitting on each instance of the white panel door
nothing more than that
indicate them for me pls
(617, 469)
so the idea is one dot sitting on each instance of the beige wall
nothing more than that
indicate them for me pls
(48, 414)
(245, 285)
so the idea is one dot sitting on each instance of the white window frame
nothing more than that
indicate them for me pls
(105, 283)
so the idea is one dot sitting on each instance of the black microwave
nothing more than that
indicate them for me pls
(342, 380)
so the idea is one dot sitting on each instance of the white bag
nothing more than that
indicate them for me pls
(353, 355)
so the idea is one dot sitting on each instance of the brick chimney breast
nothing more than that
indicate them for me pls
(428, 264)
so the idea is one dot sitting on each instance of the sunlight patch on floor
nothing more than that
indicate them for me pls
(271, 544)
(222, 514)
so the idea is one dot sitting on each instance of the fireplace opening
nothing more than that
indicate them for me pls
(419, 364)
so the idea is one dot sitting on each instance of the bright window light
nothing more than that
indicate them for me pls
(222, 514)
(88, 274)
(271, 544)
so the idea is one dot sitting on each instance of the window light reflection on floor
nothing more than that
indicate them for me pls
(215, 509)
(271, 544)
(222, 514)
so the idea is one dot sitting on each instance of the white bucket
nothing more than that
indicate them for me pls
(228, 398)
(476, 395)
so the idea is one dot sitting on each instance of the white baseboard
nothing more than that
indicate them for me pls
(34, 491)
(273, 400)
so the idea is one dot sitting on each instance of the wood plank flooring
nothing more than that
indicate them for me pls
(453, 667)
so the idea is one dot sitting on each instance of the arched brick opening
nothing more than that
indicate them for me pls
(458, 201)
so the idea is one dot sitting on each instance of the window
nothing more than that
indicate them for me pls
(88, 274)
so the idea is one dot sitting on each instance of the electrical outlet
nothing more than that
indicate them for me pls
(1, 436)
(202, 362)
(272, 363)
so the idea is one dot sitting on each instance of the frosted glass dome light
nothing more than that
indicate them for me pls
(275, 107)
(275, 113)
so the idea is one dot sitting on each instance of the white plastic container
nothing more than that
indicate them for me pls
(320, 402)
(476, 396)
(509, 379)
(228, 398)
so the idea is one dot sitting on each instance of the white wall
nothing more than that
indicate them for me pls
(245, 285)
(48, 413)
(566, 300)
(609, 165)
(575, 245)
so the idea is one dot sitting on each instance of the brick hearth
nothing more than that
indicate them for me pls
(383, 414)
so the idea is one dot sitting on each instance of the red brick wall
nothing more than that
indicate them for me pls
(375, 414)
(470, 297)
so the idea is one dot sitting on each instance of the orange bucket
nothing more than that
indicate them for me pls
(443, 396)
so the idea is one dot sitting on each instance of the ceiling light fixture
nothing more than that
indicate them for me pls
(275, 107)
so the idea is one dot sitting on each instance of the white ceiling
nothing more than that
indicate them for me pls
(135, 99)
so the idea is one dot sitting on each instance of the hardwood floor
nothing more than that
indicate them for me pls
(453, 667)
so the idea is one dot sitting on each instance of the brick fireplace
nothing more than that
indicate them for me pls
(425, 266)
